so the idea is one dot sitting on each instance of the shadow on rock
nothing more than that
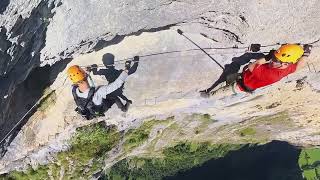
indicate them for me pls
(3, 5)
(25, 97)
(111, 74)
(234, 67)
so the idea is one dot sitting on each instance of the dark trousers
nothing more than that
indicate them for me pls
(231, 70)
(109, 101)
(229, 74)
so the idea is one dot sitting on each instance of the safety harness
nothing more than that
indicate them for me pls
(238, 79)
(85, 106)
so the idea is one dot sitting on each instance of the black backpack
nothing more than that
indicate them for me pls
(85, 106)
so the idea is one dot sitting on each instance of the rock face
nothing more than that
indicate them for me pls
(23, 31)
(223, 21)
(36, 33)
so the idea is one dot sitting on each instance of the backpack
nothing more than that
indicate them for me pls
(85, 107)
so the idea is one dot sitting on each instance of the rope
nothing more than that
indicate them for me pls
(27, 113)
(20, 121)
(122, 61)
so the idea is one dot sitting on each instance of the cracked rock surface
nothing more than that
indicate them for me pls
(39, 32)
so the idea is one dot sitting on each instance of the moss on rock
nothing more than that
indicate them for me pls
(179, 157)
(87, 151)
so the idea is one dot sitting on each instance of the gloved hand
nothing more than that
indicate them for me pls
(93, 66)
(204, 93)
(132, 69)
(270, 55)
(136, 59)
(127, 65)
(254, 47)
(307, 49)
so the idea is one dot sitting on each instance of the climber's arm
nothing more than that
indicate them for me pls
(103, 91)
(301, 63)
(258, 62)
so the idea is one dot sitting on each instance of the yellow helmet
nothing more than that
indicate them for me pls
(289, 53)
(76, 74)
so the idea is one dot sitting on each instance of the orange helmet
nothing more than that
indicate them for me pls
(76, 74)
(289, 53)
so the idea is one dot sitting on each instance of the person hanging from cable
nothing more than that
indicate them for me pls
(264, 71)
(92, 101)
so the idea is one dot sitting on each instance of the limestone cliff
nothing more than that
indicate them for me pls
(39, 38)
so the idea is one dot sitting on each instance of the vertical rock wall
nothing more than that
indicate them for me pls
(35, 32)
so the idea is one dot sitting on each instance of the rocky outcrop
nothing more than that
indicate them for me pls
(37, 33)
(23, 32)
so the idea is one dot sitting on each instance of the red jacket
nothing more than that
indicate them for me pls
(264, 75)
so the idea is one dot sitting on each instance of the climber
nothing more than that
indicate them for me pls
(91, 102)
(111, 73)
(264, 71)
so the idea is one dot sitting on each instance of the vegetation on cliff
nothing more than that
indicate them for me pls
(168, 148)
(180, 157)
(85, 156)
(309, 162)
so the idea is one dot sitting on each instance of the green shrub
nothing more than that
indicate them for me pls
(247, 132)
(309, 162)
(47, 101)
(180, 157)
(39, 174)
(135, 137)
(85, 156)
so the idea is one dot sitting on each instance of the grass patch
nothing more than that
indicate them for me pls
(49, 99)
(254, 130)
(309, 162)
(180, 157)
(136, 137)
(39, 174)
(279, 118)
(205, 121)
(85, 156)
(167, 136)
(177, 131)
(88, 148)
(249, 131)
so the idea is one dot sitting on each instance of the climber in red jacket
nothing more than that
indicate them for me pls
(286, 60)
